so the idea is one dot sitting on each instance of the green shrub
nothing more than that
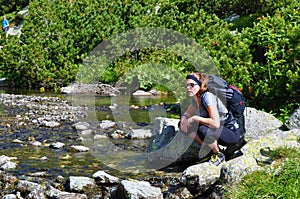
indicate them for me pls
(275, 70)
(8, 6)
(56, 37)
(262, 59)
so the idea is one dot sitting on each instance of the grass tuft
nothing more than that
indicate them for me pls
(281, 180)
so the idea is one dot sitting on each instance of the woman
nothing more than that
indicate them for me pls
(5, 26)
(207, 120)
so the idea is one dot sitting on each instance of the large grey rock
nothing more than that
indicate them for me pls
(128, 189)
(259, 123)
(234, 170)
(107, 124)
(10, 196)
(51, 192)
(273, 140)
(79, 148)
(104, 178)
(37, 194)
(294, 120)
(22, 13)
(139, 134)
(79, 183)
(6, 163)
(161, 122)
(170, 147)
(199, 178)
(28, 186)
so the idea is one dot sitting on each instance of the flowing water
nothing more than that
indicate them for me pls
(139, 111)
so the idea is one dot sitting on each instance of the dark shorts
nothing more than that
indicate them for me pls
(224, 135)
(5, 29)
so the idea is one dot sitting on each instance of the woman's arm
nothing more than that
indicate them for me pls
(212, 121)
(184, 124)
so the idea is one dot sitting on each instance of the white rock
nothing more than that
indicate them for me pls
(102, 177)
(80, 148)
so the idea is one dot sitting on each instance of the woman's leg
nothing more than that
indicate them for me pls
(222, 135)
(192, 133)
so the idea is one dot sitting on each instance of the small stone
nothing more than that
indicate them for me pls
(57, 145)
(80, 148)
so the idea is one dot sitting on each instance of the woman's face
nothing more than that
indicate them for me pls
(192, 87)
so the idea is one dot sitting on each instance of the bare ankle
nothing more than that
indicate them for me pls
(214, 146)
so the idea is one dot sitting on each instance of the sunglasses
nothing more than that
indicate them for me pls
(191, 85)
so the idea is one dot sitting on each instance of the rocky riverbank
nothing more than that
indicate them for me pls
(197, 179)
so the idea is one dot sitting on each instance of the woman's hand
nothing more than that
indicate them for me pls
(186, 123)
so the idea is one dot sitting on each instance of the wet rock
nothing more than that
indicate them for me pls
(80, 184)
(180, 193)
(86, 133)
(27, 186)
(4, 159)
(137, 190)
(57, 145)
(104, 178)
(35, 143)
(9, 165)
(55, 193)
(107, 124)
(41, 111)
(161, 122)
(99, 89)
(50, 124)
(6, 164)
(81, 126)
(42, 174)
(10, 196)
(263, 132)
(142, 93)
(171, 147)
(17, 141)
(78, 148)
(118, 134)
(44, 158)
(37, 194)
(139, 134)
(100, 137)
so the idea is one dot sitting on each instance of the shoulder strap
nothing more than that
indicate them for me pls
(202, 98)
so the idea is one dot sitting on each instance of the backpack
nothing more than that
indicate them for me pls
(231, 96)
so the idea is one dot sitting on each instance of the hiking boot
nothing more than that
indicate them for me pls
(231, 150)
(217, 158)
(204, 155)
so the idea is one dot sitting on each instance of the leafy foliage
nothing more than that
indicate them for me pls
(260, 57)
(57, 35)
(275, 45)
(8, 6)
